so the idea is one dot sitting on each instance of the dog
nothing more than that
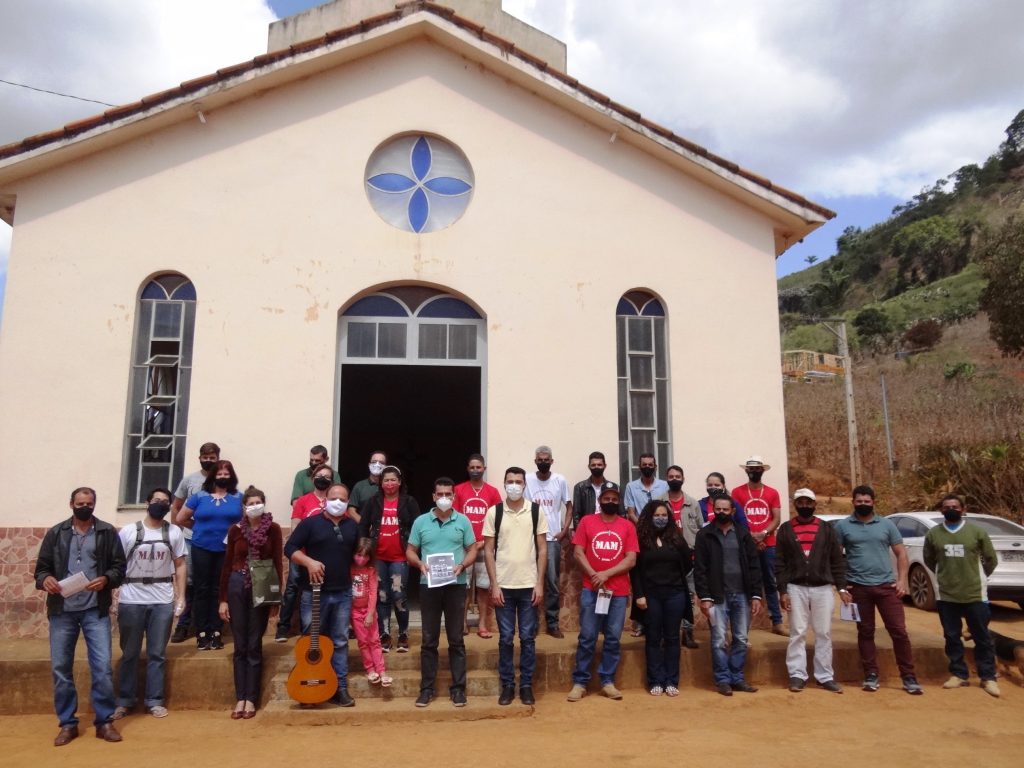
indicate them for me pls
(1009, 655)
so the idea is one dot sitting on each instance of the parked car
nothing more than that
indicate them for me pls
(1005, 583)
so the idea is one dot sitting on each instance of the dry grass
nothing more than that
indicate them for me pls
(929, 416)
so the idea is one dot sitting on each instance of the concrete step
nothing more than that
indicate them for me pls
(370, 711)
(406, 685)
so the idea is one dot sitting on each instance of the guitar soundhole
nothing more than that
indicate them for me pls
(313, 656)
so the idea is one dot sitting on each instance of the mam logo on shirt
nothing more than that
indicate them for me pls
(607, 546)
(954, 550)
(758, 514)
(475, 510)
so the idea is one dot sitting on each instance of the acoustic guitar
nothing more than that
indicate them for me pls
(313, 680)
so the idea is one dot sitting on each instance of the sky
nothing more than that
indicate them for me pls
(855, 105)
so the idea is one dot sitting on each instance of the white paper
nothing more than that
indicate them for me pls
(440, 569)
(849, 612)
(73, 584)
(604, 602)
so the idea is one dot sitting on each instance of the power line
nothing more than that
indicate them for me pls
(56, 93)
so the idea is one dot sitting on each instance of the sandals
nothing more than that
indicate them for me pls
(657, 690)
(671, 690)
(373, 678)
(386, 681)
(485, 634)
(638, 632)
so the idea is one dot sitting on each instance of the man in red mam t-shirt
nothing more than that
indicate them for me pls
(473, 498)
(762, 507)
(605, 547)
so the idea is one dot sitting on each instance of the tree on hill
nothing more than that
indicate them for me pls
(1002, 260)
(924, 334)
(873, 327)
(1011, 151)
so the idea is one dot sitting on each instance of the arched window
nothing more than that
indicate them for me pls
(643, 382)
(158, 392)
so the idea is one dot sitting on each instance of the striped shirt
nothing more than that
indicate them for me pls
(805, 533)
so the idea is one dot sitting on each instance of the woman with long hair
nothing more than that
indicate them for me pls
(255, 537)
(660, 591)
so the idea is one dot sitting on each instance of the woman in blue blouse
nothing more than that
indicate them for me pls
(210, 513)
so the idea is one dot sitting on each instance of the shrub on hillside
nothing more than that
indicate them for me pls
(1002, 260)
(924, 334)
(990, 476)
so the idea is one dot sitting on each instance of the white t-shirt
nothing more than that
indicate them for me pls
(190, 484)
(150, 560)
(551, 496)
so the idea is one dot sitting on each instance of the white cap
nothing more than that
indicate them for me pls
(805, 493)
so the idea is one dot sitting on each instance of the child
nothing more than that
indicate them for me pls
(364, 613)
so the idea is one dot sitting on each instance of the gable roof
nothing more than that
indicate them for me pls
(797, 215)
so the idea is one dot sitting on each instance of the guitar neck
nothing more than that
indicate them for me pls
(314, 626)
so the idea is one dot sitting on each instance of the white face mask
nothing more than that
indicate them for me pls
(443, 503)
(336, 507)
(514, 491)
(254, 511)
(376, 468)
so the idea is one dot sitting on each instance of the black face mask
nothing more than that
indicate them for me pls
(864, 510)
(952, 515)
(805, 513)
(755, 477)
(321, 483)
(647, 471)
(158, 510)
(597, 472)
(543, 467)
(222, 482)
(475, 474)
(82, 513)
(610, 507)
(675, 485)
(207, 465)
(723, 518)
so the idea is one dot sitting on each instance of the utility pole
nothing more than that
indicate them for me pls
(888, 431)
(839, 331)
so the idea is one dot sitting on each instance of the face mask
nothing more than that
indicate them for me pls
(597, 472)
(443, 503)
(610, 507)
(713, 491)
(475, 474)
(361, 560)
(864, 510)
(82, 513)
(207, 465)
(952, 515)
(376, 468)
(336, 507)
(222, 482)
(723, 518)
(255, 511)
(755, 477)
(675, 485)
(647, 471)
(514, 491)
(805, 513)
(660, 522)
(321, 483)
(158, 509)
(543, 466)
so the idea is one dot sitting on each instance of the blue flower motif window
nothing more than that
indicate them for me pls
(419, 183)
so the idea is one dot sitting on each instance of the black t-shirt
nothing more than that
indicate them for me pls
(331, 544)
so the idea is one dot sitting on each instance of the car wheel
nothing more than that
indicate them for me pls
(921, 593)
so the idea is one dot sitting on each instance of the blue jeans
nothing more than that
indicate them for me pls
(392, 585)
(518, 606)
(551, 584)
(663, 617)
(610, 626)
(727, 663)
(135, 622)
(977, 615)
(64, 631)
(771, 590)
(335, 612)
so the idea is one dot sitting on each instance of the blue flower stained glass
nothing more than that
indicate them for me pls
(419, 183)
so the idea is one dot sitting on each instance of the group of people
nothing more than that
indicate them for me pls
(654, 543)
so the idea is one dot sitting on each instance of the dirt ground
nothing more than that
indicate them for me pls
(700, 728)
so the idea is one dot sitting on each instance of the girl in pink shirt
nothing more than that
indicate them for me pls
(364, 613)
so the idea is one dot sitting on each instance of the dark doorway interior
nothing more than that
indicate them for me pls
(425, 417)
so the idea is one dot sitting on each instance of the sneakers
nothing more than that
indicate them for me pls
(576, 693)
(724, 688)
(458, 697)
(526, 696)
(671, 690)
(403, 643)
(202, 642)
(911, 686)
(656, 690)
(385, 643)
(216, 643)
(955, 682)
(797, 684)
(425, 697)
(609, 690)
(342, 698)
(508, 694)
(990, 687)
(180, 634)
(871, 682)
(281, 636)
(831, 686)
(158, 711)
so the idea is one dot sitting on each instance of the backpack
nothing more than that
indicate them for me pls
(140, 535)
(499, 510)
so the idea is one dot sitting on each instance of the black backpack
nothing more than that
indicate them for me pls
(140, 535)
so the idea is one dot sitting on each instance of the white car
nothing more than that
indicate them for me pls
(1005, 583)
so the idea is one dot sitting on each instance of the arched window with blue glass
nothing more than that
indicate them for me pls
(154, 453)
(643, 382)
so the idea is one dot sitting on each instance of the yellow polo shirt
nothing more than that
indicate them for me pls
(516, 556)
